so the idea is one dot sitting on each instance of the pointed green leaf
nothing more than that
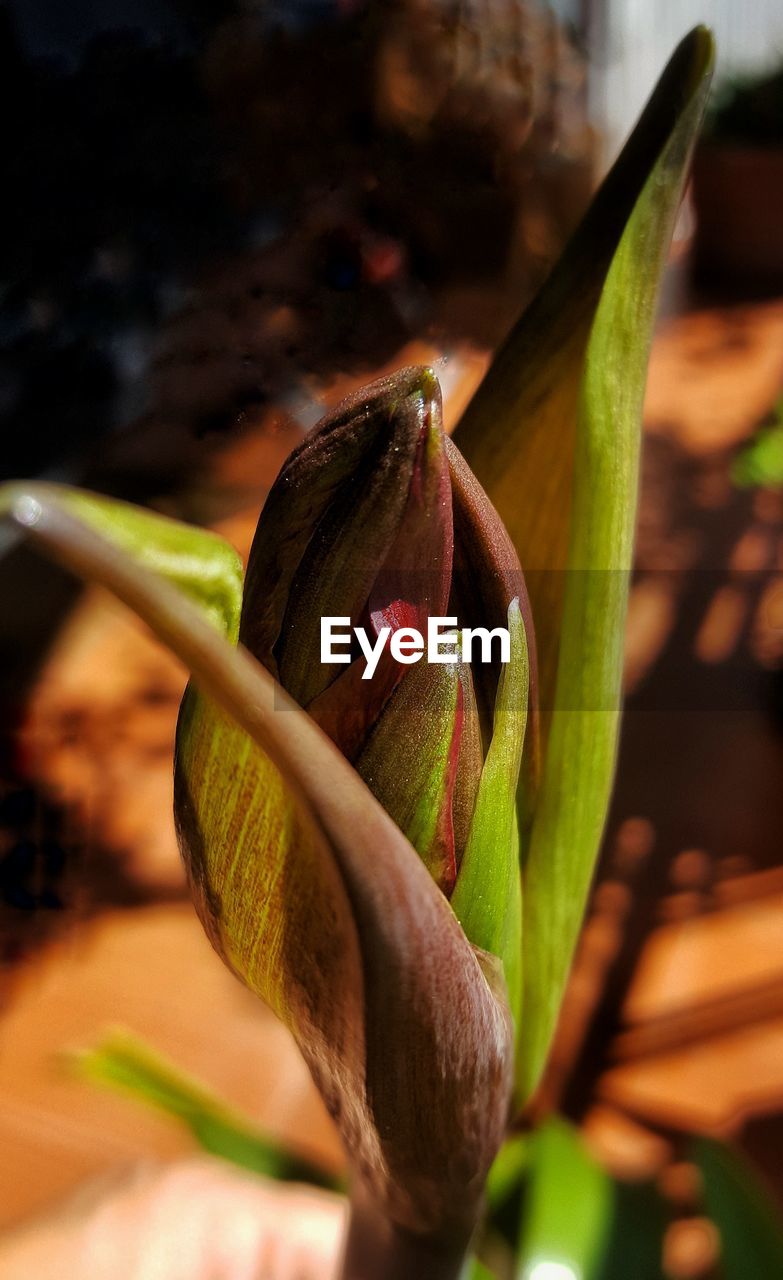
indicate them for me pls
(363, 958)
(206, 568)
(750, 1224)
(553, 434)
(519, 430)
(487, 896)
(124, 1062)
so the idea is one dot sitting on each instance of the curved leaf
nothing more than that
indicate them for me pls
(368, 965)
(206, 568)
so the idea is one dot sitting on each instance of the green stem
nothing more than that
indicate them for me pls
(376, 1249)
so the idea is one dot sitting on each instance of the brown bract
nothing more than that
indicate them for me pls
(320, 905)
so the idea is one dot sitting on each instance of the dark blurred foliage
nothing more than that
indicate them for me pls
(112, 175)
(36, 864)
(749, 109)
(202, 211)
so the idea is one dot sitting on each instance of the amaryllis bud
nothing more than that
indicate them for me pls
(330, 920)
(358, 525)
(377, 519)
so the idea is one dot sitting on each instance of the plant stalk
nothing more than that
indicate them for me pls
(376, 1249)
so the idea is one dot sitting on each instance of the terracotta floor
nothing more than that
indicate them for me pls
(675, 1019)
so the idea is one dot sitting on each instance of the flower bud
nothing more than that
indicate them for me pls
(377, 519)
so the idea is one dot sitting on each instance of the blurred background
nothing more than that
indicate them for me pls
(222, 215)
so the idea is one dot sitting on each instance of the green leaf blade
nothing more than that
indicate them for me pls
(202, 565)
(569, 1206)
(553, 434)
(580, 756)
(125, 1063)
(487, 896)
